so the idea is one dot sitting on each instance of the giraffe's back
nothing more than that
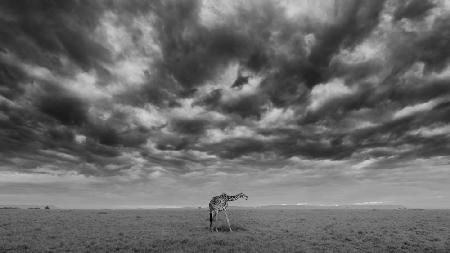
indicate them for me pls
(217, 203)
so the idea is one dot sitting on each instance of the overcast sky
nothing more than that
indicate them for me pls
(115, 104)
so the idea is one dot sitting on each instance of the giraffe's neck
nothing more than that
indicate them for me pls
(233, 198)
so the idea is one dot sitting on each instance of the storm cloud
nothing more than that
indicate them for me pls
(151, 92)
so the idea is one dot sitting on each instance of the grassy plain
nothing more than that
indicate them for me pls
(254, 231)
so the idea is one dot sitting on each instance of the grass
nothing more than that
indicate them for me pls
(253, 231)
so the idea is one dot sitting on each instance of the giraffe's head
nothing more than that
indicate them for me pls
(242, 195)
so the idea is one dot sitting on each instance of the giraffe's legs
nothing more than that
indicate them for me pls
(228, 221)
(216, 214)
(210, 220)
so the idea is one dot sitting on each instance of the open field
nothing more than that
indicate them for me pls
(254, 231)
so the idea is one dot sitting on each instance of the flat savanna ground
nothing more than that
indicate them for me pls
(254, 231)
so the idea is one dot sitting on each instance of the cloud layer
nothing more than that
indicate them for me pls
(117, 95)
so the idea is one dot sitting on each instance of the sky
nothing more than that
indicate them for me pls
(141, 104)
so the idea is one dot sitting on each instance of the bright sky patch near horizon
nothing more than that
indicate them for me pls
(106, 104)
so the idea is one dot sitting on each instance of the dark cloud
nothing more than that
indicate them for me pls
(41, 31)
(245, 106)
(106, 135)
(211, 100)
(354, 72)
(10, 76)
(134, 137)
(61, 134)
(60, 104)
(356, 20)
(110, 133)
(419, 91)
(284, 91)
(67, 99)
(189, 126)
(413, 9)
(172, 143)
(432, 49)
(236, 147)
(240, 81)
(402, 132)
(16, 132)
(191, 52)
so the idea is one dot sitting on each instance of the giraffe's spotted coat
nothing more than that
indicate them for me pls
(219, 204)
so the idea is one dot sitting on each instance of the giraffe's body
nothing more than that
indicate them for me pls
(220, 204)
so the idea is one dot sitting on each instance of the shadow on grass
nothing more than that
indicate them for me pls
(235, 228)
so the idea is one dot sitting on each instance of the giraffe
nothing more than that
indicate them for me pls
(219, 204)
